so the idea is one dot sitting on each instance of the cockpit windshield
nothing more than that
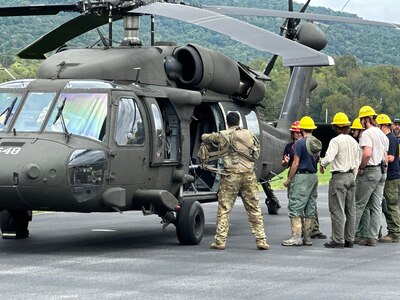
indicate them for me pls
(9, 103)
(83, 114)
(33, 111)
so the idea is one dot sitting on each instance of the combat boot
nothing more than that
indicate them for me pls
(308, 223)
(217, 246)
(262, 244)
(295, 239)
(389, 239)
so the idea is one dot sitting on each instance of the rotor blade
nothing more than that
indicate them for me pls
(35, 10)
(259, 12)
(294, 54)
(62, 34)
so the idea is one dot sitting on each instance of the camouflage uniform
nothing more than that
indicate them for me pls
(238, 178)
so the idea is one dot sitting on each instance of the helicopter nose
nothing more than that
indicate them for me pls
(32, 171)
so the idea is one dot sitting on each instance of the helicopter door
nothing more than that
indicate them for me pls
(166, 144)
(130, 144)
(207, 118)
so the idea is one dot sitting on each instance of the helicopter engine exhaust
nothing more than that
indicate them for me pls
(204, 68)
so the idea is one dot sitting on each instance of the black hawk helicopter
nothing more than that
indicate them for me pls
(107, 129)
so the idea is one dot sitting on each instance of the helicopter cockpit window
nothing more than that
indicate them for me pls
(130, 129)
(8, 105)
(83, 114)
(33, 111)
(252, 123)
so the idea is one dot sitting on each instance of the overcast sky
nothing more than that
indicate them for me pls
(377, 10)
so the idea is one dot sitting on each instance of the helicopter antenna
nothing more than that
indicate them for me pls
(344, 6)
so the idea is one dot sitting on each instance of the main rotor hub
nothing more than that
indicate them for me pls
(131, 27)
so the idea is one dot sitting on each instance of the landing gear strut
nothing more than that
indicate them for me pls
(190, 223)
(14, 223)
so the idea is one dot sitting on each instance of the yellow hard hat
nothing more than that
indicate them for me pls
(357, 124)
(383, 119)
(341, 120)
(307, 123)
(366, 111)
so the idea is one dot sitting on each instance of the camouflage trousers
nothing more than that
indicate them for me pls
(245, 185)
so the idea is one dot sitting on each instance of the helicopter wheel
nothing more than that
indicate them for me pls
(190, 223)
(273, 207)
(14, 224)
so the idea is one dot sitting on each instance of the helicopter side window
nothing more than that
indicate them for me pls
(34, 111)
(252, 123)
(9, 103)
(82, 114)
(130, 129)
(159, 146)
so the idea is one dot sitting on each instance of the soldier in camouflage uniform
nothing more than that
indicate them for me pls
(242, 149)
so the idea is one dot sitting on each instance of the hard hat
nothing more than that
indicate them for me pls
(383, 119)
(341, 120)
(366, 111)
(357, 124)
(295, 127)
(307, 123)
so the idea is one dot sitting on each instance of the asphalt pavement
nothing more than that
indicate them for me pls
(129, 256)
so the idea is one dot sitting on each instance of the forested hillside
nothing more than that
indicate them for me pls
(369, 44)
(367, 67)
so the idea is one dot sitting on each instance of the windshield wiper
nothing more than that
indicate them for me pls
(60, 115)
(9, 110)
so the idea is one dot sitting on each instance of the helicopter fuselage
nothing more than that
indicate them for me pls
(120, 148)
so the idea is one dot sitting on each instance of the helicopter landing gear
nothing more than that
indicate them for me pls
(190, 223)
(273, 207)
(14, 224)
(271, 200)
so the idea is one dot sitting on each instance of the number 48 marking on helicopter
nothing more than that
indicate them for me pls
(10, 150)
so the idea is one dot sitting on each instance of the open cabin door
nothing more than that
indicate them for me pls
(207, 118)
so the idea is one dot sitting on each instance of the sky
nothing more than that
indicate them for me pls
(377, 10)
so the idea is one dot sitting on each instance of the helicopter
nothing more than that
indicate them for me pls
(114, 129)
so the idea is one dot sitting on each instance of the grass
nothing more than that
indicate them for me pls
(277, 184)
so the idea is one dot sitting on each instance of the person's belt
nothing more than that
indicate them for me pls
(305, 172)
(372, 166)
(340, 172)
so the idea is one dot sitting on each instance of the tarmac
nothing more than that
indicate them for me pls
(129, 256)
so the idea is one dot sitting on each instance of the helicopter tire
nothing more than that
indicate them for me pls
(273, 207)
(14, 224)
(190, 223)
